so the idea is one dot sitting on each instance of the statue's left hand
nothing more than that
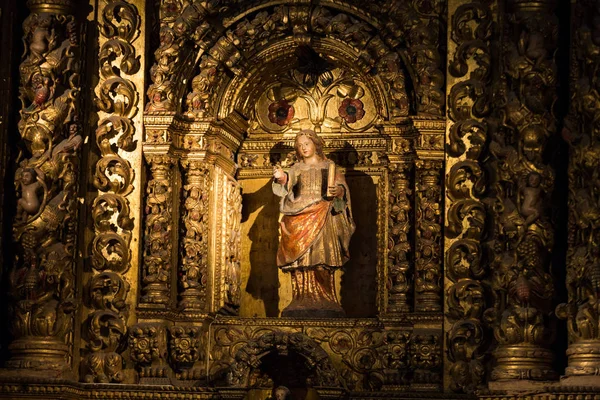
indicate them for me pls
(335, 191)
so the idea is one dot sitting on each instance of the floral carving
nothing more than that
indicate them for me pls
(185, 344)
(426, 358)
(147, 349)
(281, 112)
(233, 269)
(352, 110)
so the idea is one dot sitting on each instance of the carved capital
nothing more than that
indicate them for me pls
(62, 7)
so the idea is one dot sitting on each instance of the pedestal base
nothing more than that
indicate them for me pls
(39, 353)
(584, 358)
(523, 361)
(311, 309)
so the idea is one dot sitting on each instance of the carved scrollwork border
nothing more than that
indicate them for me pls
(106, 289)
(469, 104)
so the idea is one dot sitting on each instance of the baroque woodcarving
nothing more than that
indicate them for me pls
(582, 133)
(472, 29)
(153, 274)
(105, 328)
(42, 281)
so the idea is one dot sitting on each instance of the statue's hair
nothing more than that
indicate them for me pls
(312, 135)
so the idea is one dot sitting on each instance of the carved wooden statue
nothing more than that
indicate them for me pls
(315, 229)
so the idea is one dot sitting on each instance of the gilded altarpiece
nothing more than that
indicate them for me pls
(145, 229)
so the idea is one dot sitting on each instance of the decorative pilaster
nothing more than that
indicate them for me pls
(397, 220)
(469, 98)
(428, 249)
(400, 253)
(158, 238)
(117, 225)
(195, 235)
(522, 239)
(41, 281)
(228, 274)
(583, 255)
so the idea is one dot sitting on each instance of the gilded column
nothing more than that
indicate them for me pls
(41, 280)
(396, 197)
(115, 206)
(520, 194)
(583, 255)
(158, 257)
(469, 91)
(194, 239)
(400, 248)
(428, 248)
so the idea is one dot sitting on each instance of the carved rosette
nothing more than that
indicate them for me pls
(41, 281)
(158, 257)
(428, 249)
(583, 255)
(426, 361)
(469, 88)
(194, 238)
(148, 350)
(522, 239)
(400, 252)
(185, 351)
(105, 293)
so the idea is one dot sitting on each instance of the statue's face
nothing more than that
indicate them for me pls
(280, 394)
(306, 146)
(27, 178)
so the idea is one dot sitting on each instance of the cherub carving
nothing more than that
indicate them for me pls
(29, 203)
(531, 195)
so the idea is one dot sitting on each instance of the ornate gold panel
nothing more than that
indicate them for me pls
(163, 283)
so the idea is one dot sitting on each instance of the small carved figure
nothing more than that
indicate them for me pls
(29, 203)
(43, 38)
(531, 198)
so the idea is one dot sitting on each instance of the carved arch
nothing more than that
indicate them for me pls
(249, 357)
(188, 40)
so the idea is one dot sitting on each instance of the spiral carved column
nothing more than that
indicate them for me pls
(41, 281)
(522, 184)
(583, 256)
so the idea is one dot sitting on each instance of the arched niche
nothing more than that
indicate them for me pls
(221, 88)
(268, 95)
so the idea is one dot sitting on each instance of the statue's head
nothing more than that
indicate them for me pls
(28, 176)
(282, 392)
(312, 135)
